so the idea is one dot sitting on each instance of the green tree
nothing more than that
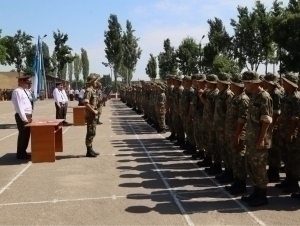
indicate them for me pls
(151, 69)
(62, 51)
(17, 47)
(85, 64)
(167, 60)
(70, 71)
(54, 63)
(106, 80)
(2, 51)
(63, 73)
(114, 45)
(132, 51)
(247, 44)
(224, 64)
(188, 56)
(77, 68)
(29, 60)
(286, 36)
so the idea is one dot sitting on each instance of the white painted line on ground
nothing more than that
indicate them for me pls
(23, 170)
(216, 210)
(255, 218)
(8, 136)
(15, 178)
(172, 193)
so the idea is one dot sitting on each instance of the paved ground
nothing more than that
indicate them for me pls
(139, 178)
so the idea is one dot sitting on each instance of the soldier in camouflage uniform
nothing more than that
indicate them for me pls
(199, 86)
(169, 91)
(99, 101)
(90, 101)
(270, 85)
(235, 131)
(222, 102)
(161, 106)
(177, 121)
(258, 138)
(209, 99)
(288, 130)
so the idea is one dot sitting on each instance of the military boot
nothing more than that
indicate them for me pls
(228, 178)
(251, 197)
(273, 174)
(171, 137)
(222, 175)
(295, 195)
(240, 188)
(285, 182)
(90, 153)
(232, 186)
(96, 153)
(292, 187)
(261, 198)
(216, 169)
(207, 162)
(190, 150)
(179, 142)
(198, 155)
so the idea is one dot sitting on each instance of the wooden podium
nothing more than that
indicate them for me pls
(46, 139)
(79, 116)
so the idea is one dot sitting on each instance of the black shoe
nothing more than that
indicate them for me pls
(96, 153)
(293, 186)
(161, 131)
(240, 188)
(207, 162)
(232, 186)
(217, 169)
(284, 183)
(23, 157)
(171, 137)
(260, 200)
(198, 155)
(251, 197)
(228, 178)
(222, 175)
(90, 153)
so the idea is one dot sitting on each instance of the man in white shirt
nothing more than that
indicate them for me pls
(71, 92)
(76, 94)
(81, 95)
(23, 116)
(59, 101)
(30, 93)
(66, 101)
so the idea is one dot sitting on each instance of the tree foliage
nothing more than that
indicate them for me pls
(62, 51)
(106, 80)
(17, 48)
(85, 64)
(46, 59)
(131, 50)
(167, 60)
(2, 51)
(77, 67)
(151, 69)
(223, 63)
(188, 56)
(70, 70)
(54, 63)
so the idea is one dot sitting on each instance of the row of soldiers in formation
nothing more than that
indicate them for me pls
(244, 120)
(5, 94)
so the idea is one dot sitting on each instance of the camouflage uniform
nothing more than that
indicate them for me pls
(237, 114)
(260, 110)
(208, 117)
(99, 103)
(90, 97)
(161, 103)
(169, 103)
(177, 120)
(222, 102)
(290, 111)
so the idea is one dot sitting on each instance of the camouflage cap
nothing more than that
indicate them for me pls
(236, 79)
(92, 78)
(211, 78)
(251, 76)
(201, 77)
(270, 78)
(292, 79)
(224, 78)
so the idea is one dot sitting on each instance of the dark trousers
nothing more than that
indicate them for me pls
(60, 111)
(65, 110)
(80, 102)
(71, 97)
(24, 135)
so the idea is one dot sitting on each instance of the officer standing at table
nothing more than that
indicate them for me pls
(59, 101)
(23, 116)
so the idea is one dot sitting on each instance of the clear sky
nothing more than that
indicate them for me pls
(86, 20)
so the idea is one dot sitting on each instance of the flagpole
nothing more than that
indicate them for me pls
(43, 69)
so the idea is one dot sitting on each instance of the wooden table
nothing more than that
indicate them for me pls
(46, 139)
(79, 116)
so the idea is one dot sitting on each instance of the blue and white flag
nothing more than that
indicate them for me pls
(38, 78)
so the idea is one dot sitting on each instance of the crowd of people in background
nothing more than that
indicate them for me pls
(5, 94)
